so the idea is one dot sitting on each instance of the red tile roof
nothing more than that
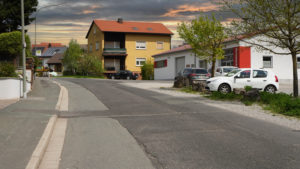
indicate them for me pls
(131, 27)
(174, 50)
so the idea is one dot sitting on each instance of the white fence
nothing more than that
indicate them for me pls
(12, 88)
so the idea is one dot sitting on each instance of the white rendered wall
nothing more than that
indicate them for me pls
(168, 73)
(12, 88)
(282, 64)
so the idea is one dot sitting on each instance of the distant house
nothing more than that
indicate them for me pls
(55, 62)
(49, 53)
(39, 49)
(127, 45)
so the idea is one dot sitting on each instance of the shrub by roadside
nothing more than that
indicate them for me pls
(278, 103)
(7, 70)
(147, 71)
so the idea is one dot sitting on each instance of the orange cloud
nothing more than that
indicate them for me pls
(204, 7)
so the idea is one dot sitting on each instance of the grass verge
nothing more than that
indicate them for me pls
(279, 103)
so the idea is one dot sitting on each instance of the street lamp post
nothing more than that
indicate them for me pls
(23, 51)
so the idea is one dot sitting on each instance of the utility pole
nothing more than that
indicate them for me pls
(23, 51)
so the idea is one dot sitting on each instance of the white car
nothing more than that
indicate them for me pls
(239, 78)
(53, 74)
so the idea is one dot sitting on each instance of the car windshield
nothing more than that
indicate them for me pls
(200, 71)
(226, 70)
(233, 72)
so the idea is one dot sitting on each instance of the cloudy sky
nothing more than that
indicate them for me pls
(72, 18)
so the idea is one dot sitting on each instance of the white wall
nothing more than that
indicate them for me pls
(12, 88)
(168, 73)
(282, 64)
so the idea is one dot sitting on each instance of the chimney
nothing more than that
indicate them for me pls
(120, 20)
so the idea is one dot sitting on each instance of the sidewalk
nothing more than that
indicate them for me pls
(23, 123)
(5, 103)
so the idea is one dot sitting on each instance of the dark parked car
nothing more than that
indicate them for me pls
(194, 75)
(124, 74)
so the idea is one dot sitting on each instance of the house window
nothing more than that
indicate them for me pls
(161, 63)
(228, 58)
(140, 61)
(97, 45)
(91, 47)
(202, 64)
(159, 45)
(298, 62)
(95, 30)
(267, 62)
(140, 45)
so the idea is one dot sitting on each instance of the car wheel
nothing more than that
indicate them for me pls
(270, 89)
(224, 88)
(113, 77)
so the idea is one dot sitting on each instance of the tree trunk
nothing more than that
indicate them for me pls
(295, 74)
(213, 62)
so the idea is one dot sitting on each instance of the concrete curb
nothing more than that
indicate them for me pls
(39, 151)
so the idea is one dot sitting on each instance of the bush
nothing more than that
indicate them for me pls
(148, 71)
(281, 103)
(7, 70)
(90, 65)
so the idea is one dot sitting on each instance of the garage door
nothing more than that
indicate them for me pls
(180, 64)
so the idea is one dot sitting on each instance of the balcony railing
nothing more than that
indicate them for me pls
(112, 51)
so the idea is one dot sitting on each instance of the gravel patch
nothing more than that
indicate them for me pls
(254, 111)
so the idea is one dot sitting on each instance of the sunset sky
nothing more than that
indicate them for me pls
(73, 18)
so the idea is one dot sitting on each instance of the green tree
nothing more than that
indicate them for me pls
(10, 14)
(72, 56)
(206, 38)
(276, 24)
(11, 45)
(90, 65)
(147, 71)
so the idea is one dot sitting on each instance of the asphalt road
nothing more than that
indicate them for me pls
(178, 133)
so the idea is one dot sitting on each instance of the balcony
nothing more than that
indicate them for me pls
(114, 52)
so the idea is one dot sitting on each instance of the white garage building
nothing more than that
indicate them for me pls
(237, 53)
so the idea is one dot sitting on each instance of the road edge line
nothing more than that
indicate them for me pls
(40, 149)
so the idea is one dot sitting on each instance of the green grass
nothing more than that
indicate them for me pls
(80, 76)
(279, 103)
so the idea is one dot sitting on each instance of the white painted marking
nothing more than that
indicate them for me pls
(63, 98)
(52, 155)
(39, 151)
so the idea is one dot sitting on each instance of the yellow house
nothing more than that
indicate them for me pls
(127, 45)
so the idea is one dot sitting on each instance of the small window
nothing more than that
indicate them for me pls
(202, 64)
(244, 74)
(259, 74)
(267, 62)
(91, 47)
(95, 30)
(140, 61)
(298, 62)
(161, 63)
(97, 45)
(140, 45)
(149, 29)
(135, 28)
(159, 45)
